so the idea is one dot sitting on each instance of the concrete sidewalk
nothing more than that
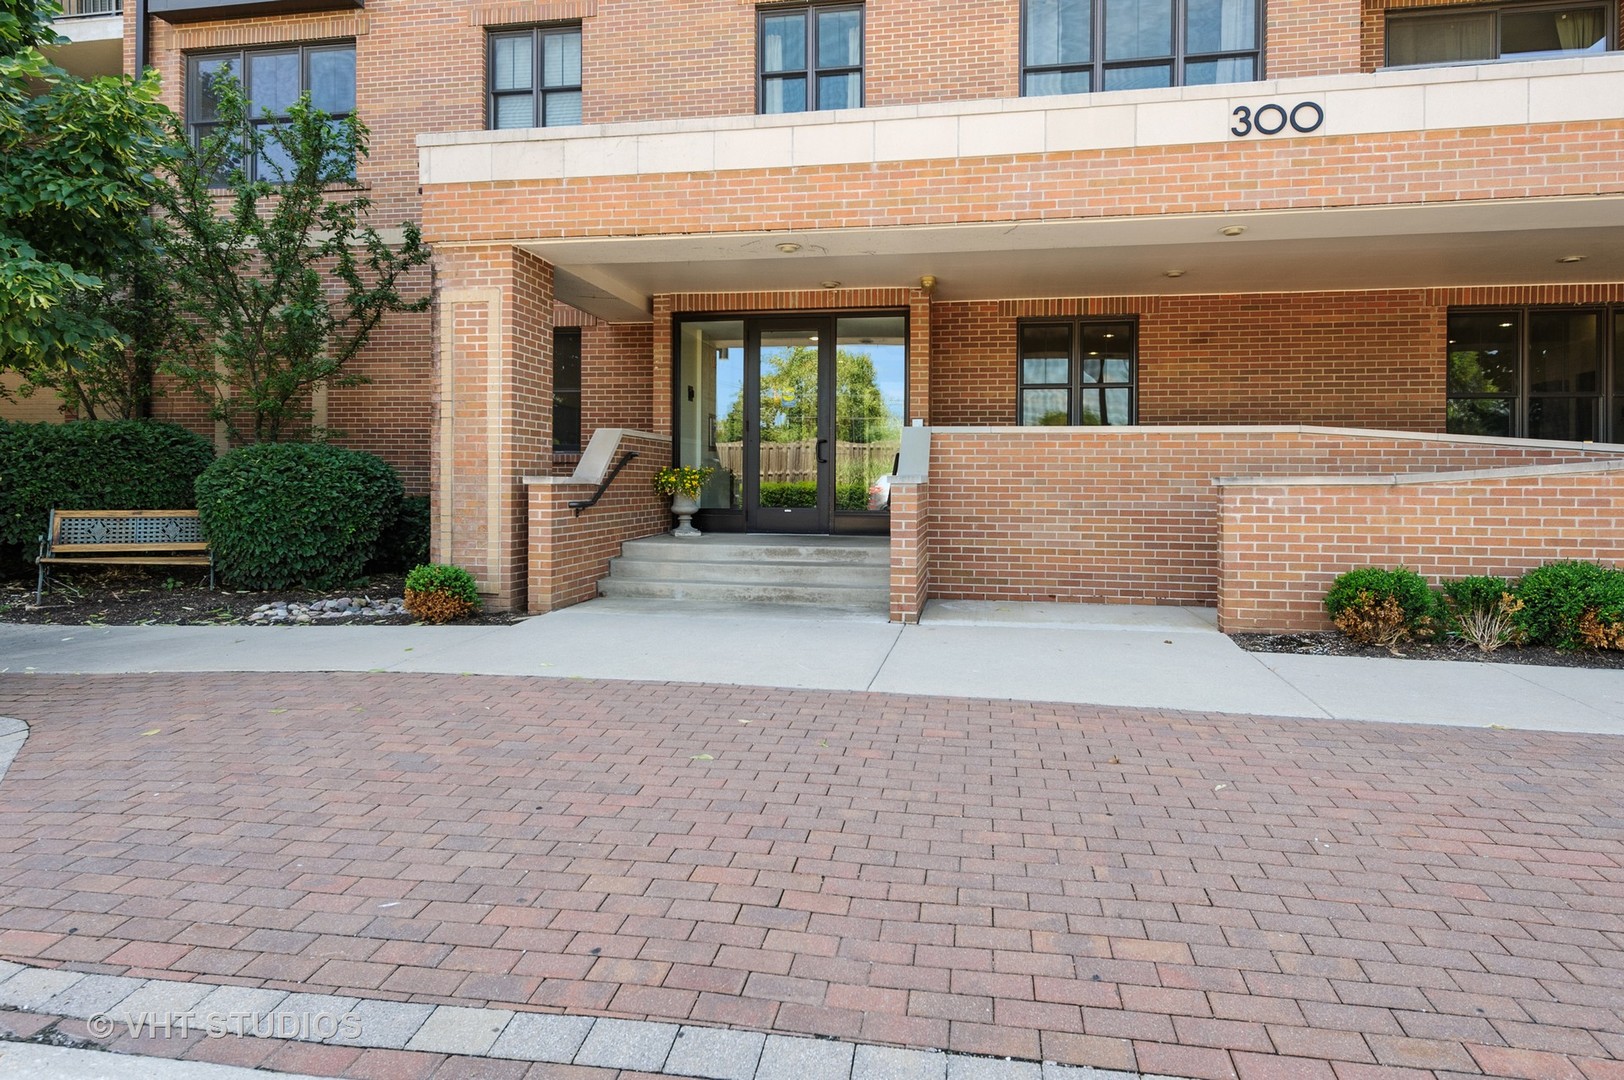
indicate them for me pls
(1102, 655)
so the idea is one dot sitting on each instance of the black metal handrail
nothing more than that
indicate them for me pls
(582, 504)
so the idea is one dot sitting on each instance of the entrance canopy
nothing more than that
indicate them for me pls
(1452, 244)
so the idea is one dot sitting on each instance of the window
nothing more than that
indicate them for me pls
(566, 390)
(1537, 373)
(272, 79)
(1079, 46)
(1077, 371)
(810, 58)
(535, 77)
(1488, 32)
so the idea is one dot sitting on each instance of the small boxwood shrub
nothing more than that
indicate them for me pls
(405, 543)
(1383, 607)
(438, 594)
(1483, 610)
(283, 514)
(91, 465)
(1572, 605)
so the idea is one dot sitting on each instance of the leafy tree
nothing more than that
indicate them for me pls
(80, 311)
(279, 275)
(789, 405)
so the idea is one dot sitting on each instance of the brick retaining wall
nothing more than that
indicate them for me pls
(1130, 515)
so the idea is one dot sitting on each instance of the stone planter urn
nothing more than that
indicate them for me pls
(685, 507)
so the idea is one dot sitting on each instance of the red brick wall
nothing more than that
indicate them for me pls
(1280, 547)
(570, 554)
(1311, 37)
(1518, 161)
(1361, 359)
(1131, 515)
(910, 551)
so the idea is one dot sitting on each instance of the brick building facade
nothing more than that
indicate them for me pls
(1270, 212)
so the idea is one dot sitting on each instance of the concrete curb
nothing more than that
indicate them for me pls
(112, 1004)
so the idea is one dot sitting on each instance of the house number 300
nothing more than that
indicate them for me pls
(1272, 119)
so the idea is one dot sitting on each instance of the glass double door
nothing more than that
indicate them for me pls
(799, 417)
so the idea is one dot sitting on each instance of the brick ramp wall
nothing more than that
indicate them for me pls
(1130, 515)
(570, 554)
(1281, 545)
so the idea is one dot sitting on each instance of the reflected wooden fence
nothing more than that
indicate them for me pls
(796, 461)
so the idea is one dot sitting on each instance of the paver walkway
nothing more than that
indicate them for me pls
(1203, 896)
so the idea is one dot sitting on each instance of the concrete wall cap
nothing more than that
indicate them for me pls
(1575, 468)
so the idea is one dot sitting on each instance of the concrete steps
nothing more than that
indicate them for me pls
(844, 573)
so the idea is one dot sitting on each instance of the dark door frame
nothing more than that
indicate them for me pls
(814, 519)
(842, 522)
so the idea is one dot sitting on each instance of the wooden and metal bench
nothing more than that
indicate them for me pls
(122, 537)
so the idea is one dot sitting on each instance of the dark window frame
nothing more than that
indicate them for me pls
(196, 129)
(1609, 394)
(1074, 384)
(1178, 60)
(1495, 11)
(812, 70)
(571, 394)
(537, 91)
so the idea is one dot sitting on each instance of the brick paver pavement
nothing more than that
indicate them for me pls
(1204, 896)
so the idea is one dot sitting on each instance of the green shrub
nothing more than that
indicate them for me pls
(1383, 607)
(91, 465)
(804, 493)
(1572, 605)
(1483, 610)
(282, 514)
(405, 543)
(438, 594)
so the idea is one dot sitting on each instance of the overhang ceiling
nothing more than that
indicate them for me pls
(1448, 244)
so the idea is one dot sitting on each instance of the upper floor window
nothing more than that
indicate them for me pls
(535, 77)
(272, 80)
(1483, 32)
(1077, 372)
(810, 57)
(1079, 46)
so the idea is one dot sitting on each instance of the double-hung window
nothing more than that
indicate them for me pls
(1484, 32)
(535, 77)
(272, 80)
(1080, 46)
(809, 57)
(1077, 371)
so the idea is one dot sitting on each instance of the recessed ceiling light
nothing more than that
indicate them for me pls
(1173, 273)
(1504, 325)
(789, 248)
(1232, 230)
(830, 284)
(1572, 258)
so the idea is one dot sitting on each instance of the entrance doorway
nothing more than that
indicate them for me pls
(798, 415)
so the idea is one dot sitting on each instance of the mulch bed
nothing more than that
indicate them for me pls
(1331, 643)
(119, 597)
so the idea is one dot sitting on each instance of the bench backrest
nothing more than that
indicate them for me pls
(126, 530)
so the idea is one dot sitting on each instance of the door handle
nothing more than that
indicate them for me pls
(821, 444)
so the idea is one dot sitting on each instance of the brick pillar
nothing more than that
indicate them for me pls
(493, 411)
(919, 315)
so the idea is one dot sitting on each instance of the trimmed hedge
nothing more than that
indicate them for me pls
(91, 465)
(1383, 607)
(283, 514)
(1562, 603)
(804, 493)
(439, 594)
